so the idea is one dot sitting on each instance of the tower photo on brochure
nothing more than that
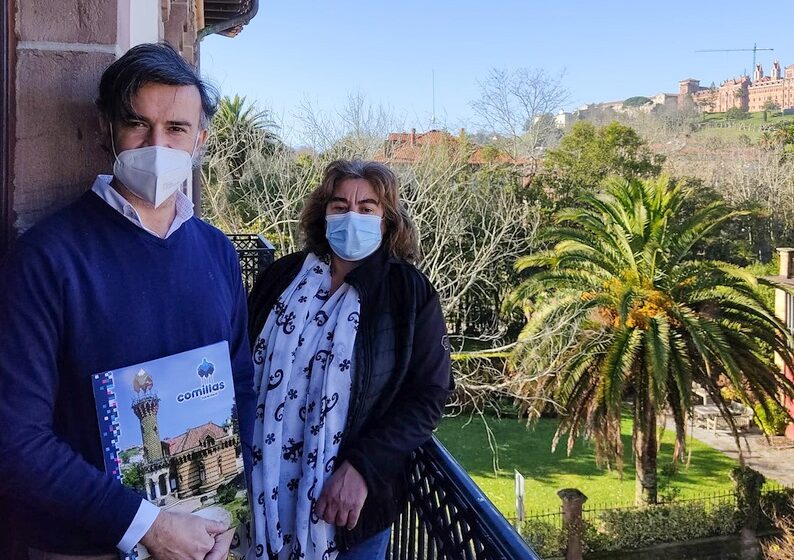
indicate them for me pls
(169, 430)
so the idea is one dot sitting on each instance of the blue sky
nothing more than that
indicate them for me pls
(388, 51)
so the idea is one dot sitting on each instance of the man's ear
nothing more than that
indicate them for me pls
(202, 139)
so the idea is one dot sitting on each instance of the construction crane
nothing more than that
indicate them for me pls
(755, 49)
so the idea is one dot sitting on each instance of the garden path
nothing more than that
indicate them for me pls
(774, 458)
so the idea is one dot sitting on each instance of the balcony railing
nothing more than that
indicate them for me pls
(255, 253)
(447, 516)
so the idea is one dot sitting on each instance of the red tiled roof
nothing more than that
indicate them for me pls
(193, 437)
(408, 147)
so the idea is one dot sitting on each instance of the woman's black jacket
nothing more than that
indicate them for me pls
(402, 376)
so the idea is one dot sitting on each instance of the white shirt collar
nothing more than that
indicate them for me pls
(103, 189)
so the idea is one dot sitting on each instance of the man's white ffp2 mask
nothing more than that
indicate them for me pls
(154, 173)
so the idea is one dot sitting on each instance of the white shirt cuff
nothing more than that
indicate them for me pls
(143, 520)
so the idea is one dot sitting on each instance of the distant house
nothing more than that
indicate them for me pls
(784, 310)
(402, 148)
(52, 53)
(562, 119)
(667, 100)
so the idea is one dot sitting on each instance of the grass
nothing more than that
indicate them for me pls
(749, 127)
(529, 452)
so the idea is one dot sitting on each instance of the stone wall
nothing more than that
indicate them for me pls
(62, 48)
(189, 476)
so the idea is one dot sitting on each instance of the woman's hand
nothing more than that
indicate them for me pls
(342, 497)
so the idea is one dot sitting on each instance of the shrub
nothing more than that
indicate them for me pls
(132, 475)
(225, 493)
(777, 504)
(774, 423)
(782, 547)
(241, 514)
(735, 113)
(546, 539)
(638, 528)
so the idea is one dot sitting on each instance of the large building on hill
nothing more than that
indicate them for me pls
(742, 93)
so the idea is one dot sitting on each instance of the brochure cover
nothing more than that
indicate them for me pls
(169, 430)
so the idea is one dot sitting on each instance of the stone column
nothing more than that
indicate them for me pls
(572, 523)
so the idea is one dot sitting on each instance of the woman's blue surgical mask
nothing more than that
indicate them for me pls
(353, 236)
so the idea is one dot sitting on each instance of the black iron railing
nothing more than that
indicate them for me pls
(255, 253)
(447, 516)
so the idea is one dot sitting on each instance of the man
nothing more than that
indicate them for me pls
(124, 275)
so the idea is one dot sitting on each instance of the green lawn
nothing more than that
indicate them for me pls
(529, 451)
(750, 127)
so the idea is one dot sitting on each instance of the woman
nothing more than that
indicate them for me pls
(351, 368)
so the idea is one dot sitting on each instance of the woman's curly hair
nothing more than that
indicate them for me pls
(400, 235)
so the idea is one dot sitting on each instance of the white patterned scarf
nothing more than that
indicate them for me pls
(302, 375)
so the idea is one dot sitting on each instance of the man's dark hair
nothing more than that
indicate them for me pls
(156, 63)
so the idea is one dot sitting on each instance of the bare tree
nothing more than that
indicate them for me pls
(358, 129)
(264, 194)
(747, 177)
(781, 546)
(474, 220)
(520, 105)
(472, 229)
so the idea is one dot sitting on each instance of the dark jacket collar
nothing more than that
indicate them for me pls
(372, 271)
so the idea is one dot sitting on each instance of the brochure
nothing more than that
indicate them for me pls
(169, 430)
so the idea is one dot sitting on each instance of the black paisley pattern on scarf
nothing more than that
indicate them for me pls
(286, 322)
(321, 318)
(322, 357)
(303, 364)
(327, 404)
(354, 318)
(259, 351)
(293, 451)
(275, 379)
(323, 295)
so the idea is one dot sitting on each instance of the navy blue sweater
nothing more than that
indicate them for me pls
(83, 292)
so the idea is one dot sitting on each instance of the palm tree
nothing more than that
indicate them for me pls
(238, 128)
(651, 320)
(241, 136)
